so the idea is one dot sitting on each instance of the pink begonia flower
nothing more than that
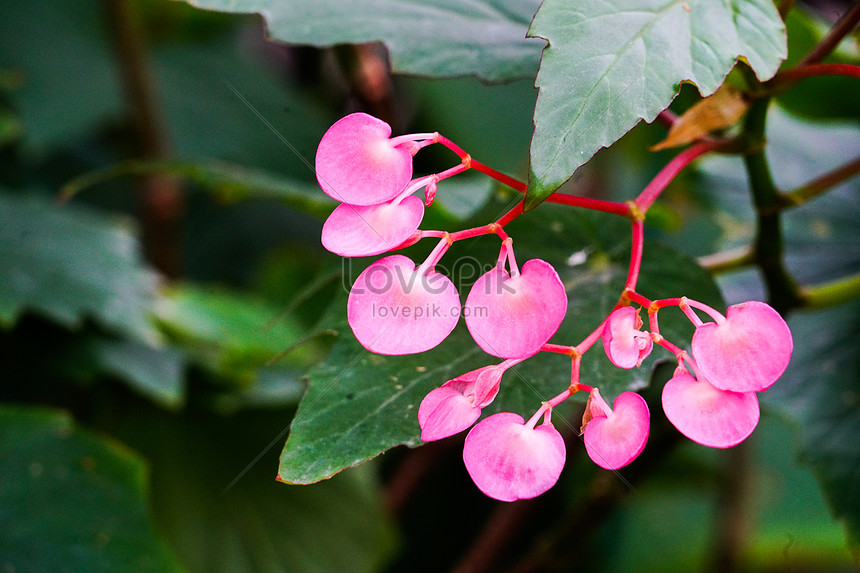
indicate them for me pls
(457, 404)
(513, 316)
(747, 352)
(509, 460)
(358, 231)
(357, 163)
(615, 437)
(625, 345)
(708, 415)
(394, 308)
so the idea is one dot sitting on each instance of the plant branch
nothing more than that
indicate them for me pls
(819, 185)
(159, 198)
(645, 199)
(622, 209)
(782, 290)
(832, 293)
(729, 260)
(841, 29)
(813, 70)
(560, 198)
(732, 519)
(502, 527)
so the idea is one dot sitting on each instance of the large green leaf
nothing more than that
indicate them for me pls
(610, 64)
(228, 333)
(71, 501)
(215, 498)
(360, 404)
(820, 392)
(436, 38)
(69, 265)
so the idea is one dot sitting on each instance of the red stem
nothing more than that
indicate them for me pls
(498, 176)
(510, 215)
(557, 348)
(622, 209)
(589, 341)
(639, 299)
(813, 70)
(561, 198)
(645, 199)
(666, 118)
(491, 228)
(638, 231)
(451, 145)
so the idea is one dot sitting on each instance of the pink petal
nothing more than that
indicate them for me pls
(456, 405)
(508, 461)
(363, 230)
(445, 412)
(486, 385)
(746, 353)
(620, 341)
(615, 440)
(708, 415)
(512, 317)
(357, 164)
(392, 309)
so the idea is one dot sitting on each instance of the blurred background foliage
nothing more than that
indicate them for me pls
(156, 328)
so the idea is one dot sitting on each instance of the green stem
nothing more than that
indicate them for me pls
(833, 293)
(782, 290)
(819, 185)
(729, 260)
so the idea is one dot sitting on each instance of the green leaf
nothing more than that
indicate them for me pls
(463, 198)
(227, 332)
(69, 264)
(71, 501)
(10, 126)
(820, 391)
(215, 498)
(157, 373)
(610, 64)
(359, 404)
(228, 181)
(59, 97)
(435, 38)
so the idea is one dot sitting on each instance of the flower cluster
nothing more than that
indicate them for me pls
(396, 307)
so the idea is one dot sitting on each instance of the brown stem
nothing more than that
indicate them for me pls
(412, 470)
(503, 525)
(841, 29)
(368, 72)
(568, 539)
(819, 185)
(733, 515)
(785, 7)
(159, 198)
